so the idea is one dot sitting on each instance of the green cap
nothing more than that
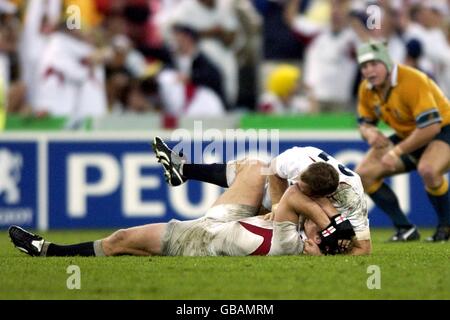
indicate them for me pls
(374, 51)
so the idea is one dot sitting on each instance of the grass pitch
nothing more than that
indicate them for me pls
(415, 270)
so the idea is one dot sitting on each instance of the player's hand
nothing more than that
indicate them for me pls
(344, 245)
(337, 236)
(311, 248)
(378, 140)
(269, 216)
(390, 160)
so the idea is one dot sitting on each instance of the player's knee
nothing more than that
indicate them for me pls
(428, 173)
(115, 242)
(120, 236)
(260, 169)
(253, 166)
(259, 164)
(364, 173)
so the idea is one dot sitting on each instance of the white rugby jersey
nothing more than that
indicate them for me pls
(349, 198)
(231, 235)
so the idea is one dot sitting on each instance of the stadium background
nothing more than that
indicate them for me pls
(294, 71)
(80, 106)
(107, 180)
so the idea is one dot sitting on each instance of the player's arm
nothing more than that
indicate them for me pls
(294, 202)
(360, 247)
(369, 132)
(277, 185)
(368, 120)
(311, 248)
(418, 138)
(427, 117)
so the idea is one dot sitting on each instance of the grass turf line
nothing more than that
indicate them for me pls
(415, 270)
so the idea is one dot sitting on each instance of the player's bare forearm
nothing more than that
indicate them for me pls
(419, 138)
(311, 248)
(326, 206)
(373, 136)
(361, 248)
(294, 203)
(284, 210)
(366, 130)
(277, 187)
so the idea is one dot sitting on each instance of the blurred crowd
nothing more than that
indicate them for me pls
(200, 58)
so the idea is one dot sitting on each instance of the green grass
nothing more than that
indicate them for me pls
(408, 271)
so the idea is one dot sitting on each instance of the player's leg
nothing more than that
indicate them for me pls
(215, 173)
(372, 174)
(432, 167)
(35, 245)
(248, 184)
(143, 240)
(171, 161)
(139, 241)
(177, 171)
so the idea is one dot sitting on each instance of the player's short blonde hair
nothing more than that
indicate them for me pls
(283, 80)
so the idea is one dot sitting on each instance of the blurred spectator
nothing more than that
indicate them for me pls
(137, 14)
(330, 68)
(14, 90)
(388, 30)
(312, 21)
(71, 77)
(90, 15)
(127, 56)
(282, 94)
(217, 24)
(41, 19)
(427, 25)
(192, 64)
(279, 42)
(2, 105)
(389, 33)
(64, 72)
(180, 100)
(248, 50)
(193, 85)
(414, 52)
(8, 39)
(124, 65)
(136, 99)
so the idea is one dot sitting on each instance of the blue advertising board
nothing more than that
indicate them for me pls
(95, 184)
(18, 183)
(114, 181)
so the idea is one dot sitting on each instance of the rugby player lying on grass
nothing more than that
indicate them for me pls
(286, 169)
(229, 227)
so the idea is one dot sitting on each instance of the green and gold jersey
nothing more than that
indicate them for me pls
(413, 101)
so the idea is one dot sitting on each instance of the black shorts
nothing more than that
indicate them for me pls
(410, 160)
